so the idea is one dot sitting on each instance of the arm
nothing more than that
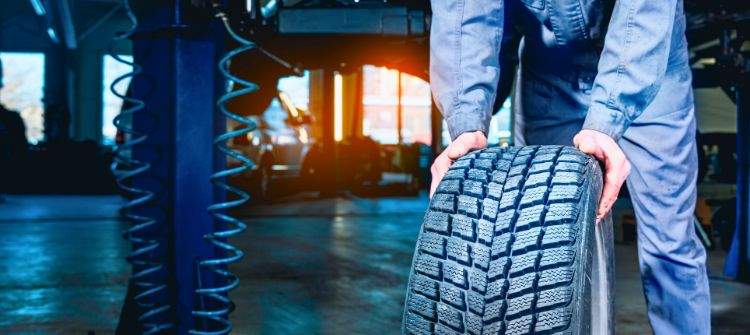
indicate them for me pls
(631, 69)
(464, 65)
(632, 64)
(464, 71)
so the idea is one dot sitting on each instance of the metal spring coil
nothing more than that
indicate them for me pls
(125, 168)
(215, 305)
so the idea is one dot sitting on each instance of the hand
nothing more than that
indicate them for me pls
(616, 165)
(459, 147)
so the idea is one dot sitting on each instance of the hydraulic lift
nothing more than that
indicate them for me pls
(173, 165)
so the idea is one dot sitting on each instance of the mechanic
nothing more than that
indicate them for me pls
(620, 92)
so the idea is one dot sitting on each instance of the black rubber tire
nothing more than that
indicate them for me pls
(509, 246)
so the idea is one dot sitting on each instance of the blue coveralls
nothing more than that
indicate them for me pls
(633, 85)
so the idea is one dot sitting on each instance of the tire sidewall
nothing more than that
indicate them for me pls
(593, 262)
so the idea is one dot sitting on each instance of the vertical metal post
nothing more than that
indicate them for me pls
(359, 106)
(85, 110)
(329, 172)
(58, 99)
(194, 160)
(743, 179)
(153, 87)
(399, 110)
(179, 85)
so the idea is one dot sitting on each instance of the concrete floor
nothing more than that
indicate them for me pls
(312, 267)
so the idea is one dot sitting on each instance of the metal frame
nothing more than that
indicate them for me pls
(178, 57)
(741, 243)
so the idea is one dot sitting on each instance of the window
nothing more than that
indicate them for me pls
(379, 104)
(500, 125)
(416, 105)
(297, 88)
(381, 100)
(113, 69)
(23, 79)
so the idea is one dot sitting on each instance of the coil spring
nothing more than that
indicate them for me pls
(126, 168)
(215, 305)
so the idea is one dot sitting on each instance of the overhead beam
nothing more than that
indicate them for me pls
(390, 21)
(66, 24)
(39, 8)
(99, 22)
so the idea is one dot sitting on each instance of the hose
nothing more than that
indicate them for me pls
(150, 290)
(212, 316)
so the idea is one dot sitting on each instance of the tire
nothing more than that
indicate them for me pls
(509, 246)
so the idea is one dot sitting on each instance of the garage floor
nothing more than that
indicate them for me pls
(313, 266)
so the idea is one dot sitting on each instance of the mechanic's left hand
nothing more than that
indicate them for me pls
(460, 146)
(616, 165)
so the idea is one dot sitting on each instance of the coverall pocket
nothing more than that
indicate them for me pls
(534, 4)
(575, 21)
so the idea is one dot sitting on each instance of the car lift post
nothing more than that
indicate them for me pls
(329, 173)
(179, 85)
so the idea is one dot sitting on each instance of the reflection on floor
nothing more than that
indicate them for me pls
(312, 267)
(61, 265)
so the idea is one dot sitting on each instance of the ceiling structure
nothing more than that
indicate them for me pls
(71, 24)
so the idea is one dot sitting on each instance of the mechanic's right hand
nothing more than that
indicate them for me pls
(616, 165)
(460, 146)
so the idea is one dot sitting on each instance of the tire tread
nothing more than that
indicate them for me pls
(497, 249)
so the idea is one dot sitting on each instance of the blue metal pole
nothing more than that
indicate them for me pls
(742, 232)
(155, 310)
(179, 86)
(195, 122)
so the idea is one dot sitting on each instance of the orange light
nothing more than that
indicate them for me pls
(338, 107)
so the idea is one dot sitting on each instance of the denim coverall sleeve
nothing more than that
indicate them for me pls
(632, 64)
(464, 64)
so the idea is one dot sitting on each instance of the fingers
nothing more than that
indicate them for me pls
(617, 170)
(589, 146)
(616, 165)
(439, 168)
(457, 149)
(465, 143)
